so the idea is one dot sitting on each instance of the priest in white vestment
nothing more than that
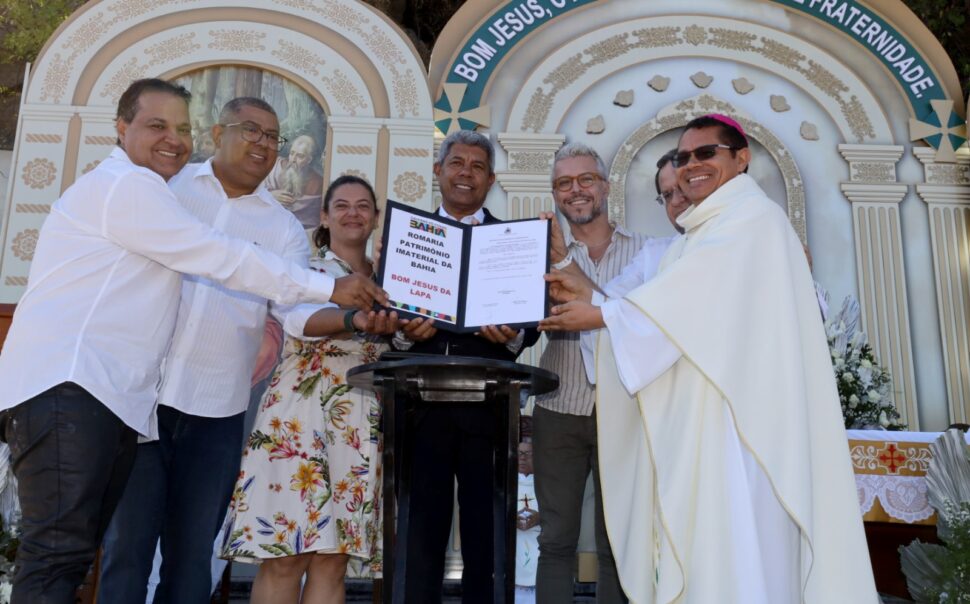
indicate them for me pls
(724, 462)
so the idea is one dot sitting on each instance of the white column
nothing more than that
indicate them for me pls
(36, 175)
(411, 156)
(946, 191)
(353, 147)
(526, 179)
(875, 195)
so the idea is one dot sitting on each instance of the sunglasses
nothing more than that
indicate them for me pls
(702, 153)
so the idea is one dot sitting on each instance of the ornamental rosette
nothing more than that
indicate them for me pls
(24, 244)
(410, 186)
(39, 173)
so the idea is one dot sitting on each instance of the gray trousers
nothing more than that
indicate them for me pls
(563, 454)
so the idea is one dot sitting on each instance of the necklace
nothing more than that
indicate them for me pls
(596, 245)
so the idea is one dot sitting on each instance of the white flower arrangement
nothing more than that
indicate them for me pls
(865, 388)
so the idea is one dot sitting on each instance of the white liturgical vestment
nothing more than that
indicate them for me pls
(725, 472)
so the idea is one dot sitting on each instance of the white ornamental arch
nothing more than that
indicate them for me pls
(546, 96)
(676, 116)
(356, 63)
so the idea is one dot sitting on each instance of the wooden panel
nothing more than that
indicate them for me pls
(6, 316)
(884, 540)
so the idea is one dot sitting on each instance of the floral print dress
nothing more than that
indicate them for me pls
(310, 479)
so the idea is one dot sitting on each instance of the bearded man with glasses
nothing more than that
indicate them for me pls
(564, 423)
(726, 476)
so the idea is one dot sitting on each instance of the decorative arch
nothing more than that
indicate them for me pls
(89, 39)
(546, 96)
(614, 79)
(488, 19)
(356, 63)
(677, 116)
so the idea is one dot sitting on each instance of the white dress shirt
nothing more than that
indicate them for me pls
(104, 284)
(640, 270)
(218, 331)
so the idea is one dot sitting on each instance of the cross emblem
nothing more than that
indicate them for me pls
(525, 501)
(942, 129)
(447, 111)
(892, 458)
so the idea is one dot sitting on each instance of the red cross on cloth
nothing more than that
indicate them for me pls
(892, 458)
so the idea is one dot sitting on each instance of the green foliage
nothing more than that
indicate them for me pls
(949, 20)
(28, 23)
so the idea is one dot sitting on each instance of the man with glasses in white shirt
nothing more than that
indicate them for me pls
(181, 483)
(81, 362)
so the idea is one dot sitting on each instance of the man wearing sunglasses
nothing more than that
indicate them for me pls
(181, 483)
(725, 478)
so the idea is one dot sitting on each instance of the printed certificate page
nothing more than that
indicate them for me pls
(506, 262)
(422, 264)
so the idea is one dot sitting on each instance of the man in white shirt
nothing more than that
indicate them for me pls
(181, 483)
(727, 476)
(80, 365)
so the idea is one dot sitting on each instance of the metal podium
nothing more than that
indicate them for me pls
(408, 381)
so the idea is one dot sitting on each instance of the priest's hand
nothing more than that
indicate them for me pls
(418, 330)
(377, 323)
(573, 316)
(566, 286)
(497, 334)
(357, 291)
(557, 242)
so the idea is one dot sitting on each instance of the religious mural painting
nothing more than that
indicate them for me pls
(297, 179)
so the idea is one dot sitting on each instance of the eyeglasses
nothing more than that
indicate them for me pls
(585, 180)
(702, 153)
(252, 133)
(665, 198)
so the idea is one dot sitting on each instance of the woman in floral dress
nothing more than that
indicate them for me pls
(308, 496)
